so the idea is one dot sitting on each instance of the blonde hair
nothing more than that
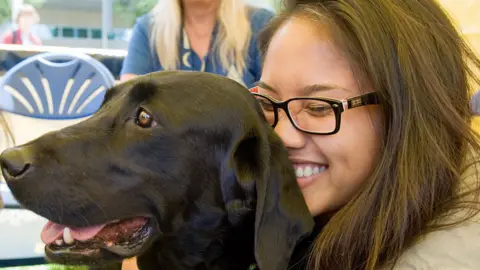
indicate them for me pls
(233, 38)
(7, 139)
(28, 10)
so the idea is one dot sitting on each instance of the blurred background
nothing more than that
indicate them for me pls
(466, 14)
(103, 24)
(102, 29)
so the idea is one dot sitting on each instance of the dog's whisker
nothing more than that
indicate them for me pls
(50, 216)
(82, 215)
(68, 212)
(86, 220)
(61, 205)
(101, 209)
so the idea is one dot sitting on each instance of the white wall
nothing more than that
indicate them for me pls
(86, 43)
(77, 18)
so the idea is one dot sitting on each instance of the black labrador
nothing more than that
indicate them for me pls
(178, 168)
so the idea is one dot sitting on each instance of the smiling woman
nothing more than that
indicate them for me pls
(371, 98)
(329, 80)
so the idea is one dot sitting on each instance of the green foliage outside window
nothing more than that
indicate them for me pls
(6, 9)
(129, 10)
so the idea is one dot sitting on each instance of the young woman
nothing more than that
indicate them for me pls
(371, 97)
(217, 36)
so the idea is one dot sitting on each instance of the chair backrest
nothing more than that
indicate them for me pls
(48, 92)
(475, 103)
(55, 86)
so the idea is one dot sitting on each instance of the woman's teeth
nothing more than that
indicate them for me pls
(308, 170)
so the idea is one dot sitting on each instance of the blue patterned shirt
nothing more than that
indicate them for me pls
(142, 60)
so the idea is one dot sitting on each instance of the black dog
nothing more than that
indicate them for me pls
(178, 168)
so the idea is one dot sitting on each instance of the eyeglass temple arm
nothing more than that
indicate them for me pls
(366, 99)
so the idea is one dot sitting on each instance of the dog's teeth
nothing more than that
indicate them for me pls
(67, 237)
(59, 242)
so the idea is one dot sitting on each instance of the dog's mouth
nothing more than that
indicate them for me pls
(112, 241)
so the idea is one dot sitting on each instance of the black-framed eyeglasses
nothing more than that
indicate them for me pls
(313, 115)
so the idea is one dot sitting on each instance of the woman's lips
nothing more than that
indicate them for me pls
(306, 172)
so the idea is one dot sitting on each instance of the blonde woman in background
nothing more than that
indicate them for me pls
(26, 18)
(217, 36)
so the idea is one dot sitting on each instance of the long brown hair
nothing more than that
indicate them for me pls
(412, 55)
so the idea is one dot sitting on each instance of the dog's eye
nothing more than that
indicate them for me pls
(145, 119)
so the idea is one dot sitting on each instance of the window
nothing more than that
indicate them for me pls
(82, 33)
(96, 33)
(54, 31)
(67, 32)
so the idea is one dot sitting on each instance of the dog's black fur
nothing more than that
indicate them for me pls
(212, 173)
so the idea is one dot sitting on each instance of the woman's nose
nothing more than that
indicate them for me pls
(291, 136)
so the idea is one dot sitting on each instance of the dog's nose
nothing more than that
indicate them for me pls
(14, 163)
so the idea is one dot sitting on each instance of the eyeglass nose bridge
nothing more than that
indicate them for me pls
(284, 106)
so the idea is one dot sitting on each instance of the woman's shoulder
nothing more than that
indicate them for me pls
(143, 21)
(7, 37)
(259, 17)
(456, 247)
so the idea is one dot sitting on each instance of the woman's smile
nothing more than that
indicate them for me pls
(307, 172)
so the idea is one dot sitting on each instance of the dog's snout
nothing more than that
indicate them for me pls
(14, 162)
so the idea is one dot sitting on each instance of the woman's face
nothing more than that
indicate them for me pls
(26, 20)
(301, 55)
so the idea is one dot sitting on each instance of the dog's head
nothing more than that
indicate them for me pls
(165, 152)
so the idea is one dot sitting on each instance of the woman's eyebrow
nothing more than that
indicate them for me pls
(266, 86)
(307, 90)
(315, 88)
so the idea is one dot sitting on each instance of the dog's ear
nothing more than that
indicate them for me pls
(111, 93)
(282, 218)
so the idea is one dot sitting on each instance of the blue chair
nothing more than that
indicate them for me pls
(56, 86)
(43, 93)
(475, 103)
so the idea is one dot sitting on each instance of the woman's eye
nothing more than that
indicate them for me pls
(144, 119)
(322, 110)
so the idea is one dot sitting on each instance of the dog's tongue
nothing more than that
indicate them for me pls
(84, 234)
(53, 231)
